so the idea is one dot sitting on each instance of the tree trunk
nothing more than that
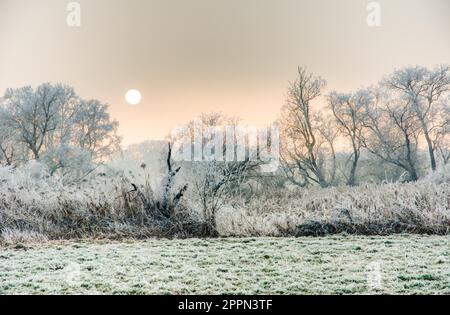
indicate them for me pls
(430, 151)
(411, 169)
(413, 175)
(352, 178)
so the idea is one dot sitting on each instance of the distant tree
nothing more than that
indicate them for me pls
(348, 111)
(307, 143)
(33, 114)
(53, 124)
(423, 89)
(11, 151)
(214, 178)
(442, 139)
(392, 132)
(94, 130)
(8, 149)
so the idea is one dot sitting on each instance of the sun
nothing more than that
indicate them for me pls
(133, 97)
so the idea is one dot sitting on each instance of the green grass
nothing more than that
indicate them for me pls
(408, 264)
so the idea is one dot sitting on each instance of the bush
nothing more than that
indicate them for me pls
(37, 207)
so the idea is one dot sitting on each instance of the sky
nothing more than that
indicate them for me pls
(189, 57)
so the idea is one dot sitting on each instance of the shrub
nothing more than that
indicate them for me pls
(36, 207)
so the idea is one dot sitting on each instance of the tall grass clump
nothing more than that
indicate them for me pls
(36, 206)
(369, 209)
(107, 204)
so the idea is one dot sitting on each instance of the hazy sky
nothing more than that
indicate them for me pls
(194, 56)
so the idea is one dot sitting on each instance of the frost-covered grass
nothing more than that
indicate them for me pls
(403, 264)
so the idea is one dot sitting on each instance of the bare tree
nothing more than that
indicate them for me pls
(34, 114)
(214, 182)
(423, 88)
(305, 145)
(8, 147)
(442, 135)
(214, 177)
(94, 130)
(348, 111)
(392, 132)
(54, 124)
(444, 150)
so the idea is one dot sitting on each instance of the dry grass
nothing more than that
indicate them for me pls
(370, 209)
(35, 206)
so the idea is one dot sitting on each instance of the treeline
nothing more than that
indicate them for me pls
(55, 126)
(392, 124)
(396, 129)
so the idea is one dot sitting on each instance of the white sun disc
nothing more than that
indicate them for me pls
(133, 97)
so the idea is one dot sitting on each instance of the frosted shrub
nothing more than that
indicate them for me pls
(441, 176)
(420, 207)
(36, 206)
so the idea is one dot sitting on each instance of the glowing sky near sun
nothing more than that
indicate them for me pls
(192, 56)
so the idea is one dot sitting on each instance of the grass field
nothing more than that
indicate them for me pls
(405, 264)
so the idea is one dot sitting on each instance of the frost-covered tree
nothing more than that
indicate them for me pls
(213, 176)
(51, 123)
(348, 111)
(307, 144)
(94, 131)
(442, 139)
(392, 132)
(8, 149)
(423, 89)
(34, 114)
